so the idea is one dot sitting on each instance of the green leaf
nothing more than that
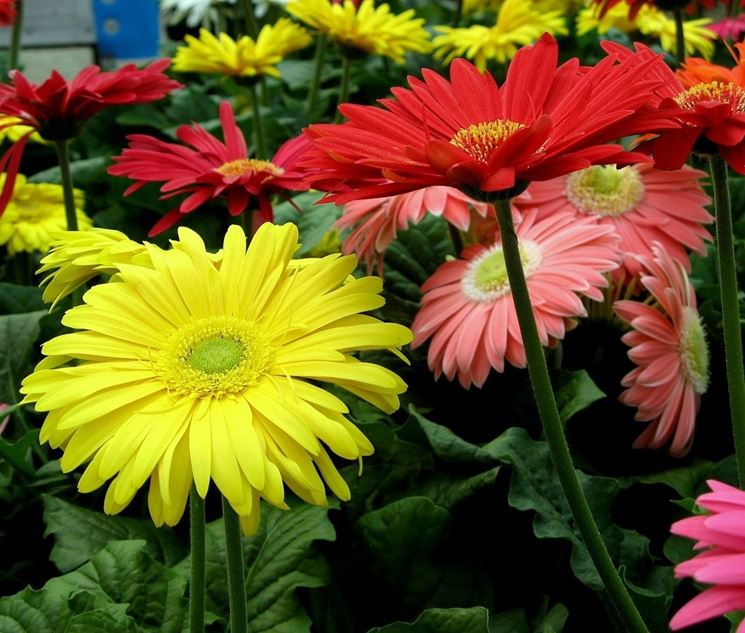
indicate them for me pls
(575, 391)
(313, 220)
(473, 620)
(18, 333)
(685, 480)
(17, 453)
(512, 621)
(20, 299)
(280, 558)
(80, 533)
(85, 172)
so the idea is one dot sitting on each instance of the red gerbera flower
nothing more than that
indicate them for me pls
(57, 109)
(708, 104)
(7, 12)
(207, 168)
(469, 133)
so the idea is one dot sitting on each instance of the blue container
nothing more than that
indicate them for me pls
(127, 29)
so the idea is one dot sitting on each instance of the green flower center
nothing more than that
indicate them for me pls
(605, 190)
(216, 355)
(694, 352)
(486, 277)
(481, 139)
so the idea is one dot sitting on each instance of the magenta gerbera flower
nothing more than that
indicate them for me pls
(376, 221)
(467, 309)
(668, 345)
(205, 168)
(643, 205)
(720, 539)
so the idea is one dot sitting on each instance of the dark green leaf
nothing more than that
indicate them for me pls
(18, 333)
(20, 299)
(575, 391)
(473, 620)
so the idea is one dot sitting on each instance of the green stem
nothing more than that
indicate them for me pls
(553, 429)
(63, 156)
(343, 86)
(680, 40)
(15, 38)
(261, 151)
(458, 12)
(730, 308)
(734, 8)
(317, 71)
(197, 581)
(252, 26)
(236, 579)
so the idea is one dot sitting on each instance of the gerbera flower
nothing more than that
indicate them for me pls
(710, 115)
(7, 12)
(376, 221)
(245, 57)
(720, 541)
(668, 345)
(185, 372)
(34, 214)
(518, 23)
(195, 12)
(13, 129)
(366, 27)
(467, 308)
(729, 28)
(543, 122)
(78, 256)
(642, 204)
(57, 109)
(207, 168)
(634, 6)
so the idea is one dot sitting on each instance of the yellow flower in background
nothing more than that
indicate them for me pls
(75, 257)
(12, 130)
(565, 6)
(34, 214)
(518, 24)
(369, 28)
(652, 23)
(184, 371)
(222, 55)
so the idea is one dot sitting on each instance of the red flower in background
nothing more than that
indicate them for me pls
(544, 121)
(206, 168)
(57, 109)
(7, 12)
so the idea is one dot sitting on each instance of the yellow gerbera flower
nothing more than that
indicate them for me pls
(34, 213)
(245, 57)
(369, 28)
(518, 24)
(12, 130)
(184, 371)
(77, 256)
(651, 22)
(566, 6)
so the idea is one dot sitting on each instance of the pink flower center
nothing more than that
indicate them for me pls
(481, 139)
(694, 352)
(248, 167)
(713, 92)
(486, 277)
(605, 190)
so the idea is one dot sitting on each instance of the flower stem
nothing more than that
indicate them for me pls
(730, 308)
(261, 151)
(553, 429)
(734, 8)
(236, 580)
(317, 69)
(680, 40)
(343, 86)
(63, 155)
(458, 12)
(15, 38)
(197, 581)
(252, 27)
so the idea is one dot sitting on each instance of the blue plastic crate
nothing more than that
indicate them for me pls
(127, 29)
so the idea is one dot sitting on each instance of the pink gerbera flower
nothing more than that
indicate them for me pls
(643, 205)
(669, 348)
(467, 309)
(720, 535)
(375, 221)
(206, 168)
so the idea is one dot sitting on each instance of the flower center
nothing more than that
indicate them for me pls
(481, 139)
(715, 91)
(694, 352)
(248, 167)
(214, 356)
(605, 190)
(486, 277)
